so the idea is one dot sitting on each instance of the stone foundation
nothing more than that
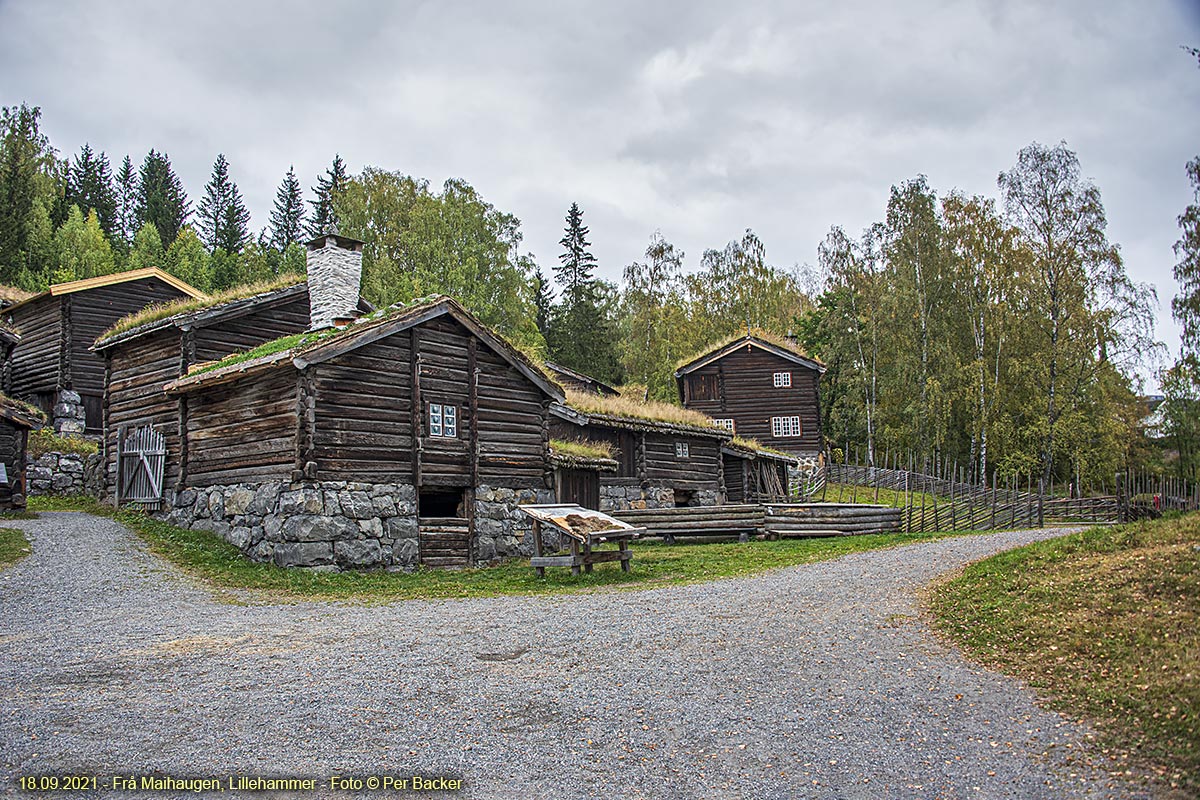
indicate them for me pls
(626, 498)
(339, 525)
(501, 529)
(64, 474)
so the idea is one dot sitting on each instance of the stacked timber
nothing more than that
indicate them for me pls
(792, 520)
(742, 520)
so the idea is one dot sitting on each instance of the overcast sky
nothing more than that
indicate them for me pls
(697, 118)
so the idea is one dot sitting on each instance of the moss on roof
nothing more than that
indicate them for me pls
(782, 342)
(12, 294)
(22, 410)
(187, 305)
(630, 408)
(757, 446)
(581, 448)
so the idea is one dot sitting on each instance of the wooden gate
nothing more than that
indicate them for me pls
(141, 457)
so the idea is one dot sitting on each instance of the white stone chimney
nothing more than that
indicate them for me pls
(334, 265)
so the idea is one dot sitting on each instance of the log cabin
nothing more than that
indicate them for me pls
(53, 367)
(146, 350)
(16, 420)
(405, 437)
(761, 387)
(754, 474)
(664, 459)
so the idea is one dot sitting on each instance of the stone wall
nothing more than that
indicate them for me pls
(64, 474)
(338, 525)
(501, 529)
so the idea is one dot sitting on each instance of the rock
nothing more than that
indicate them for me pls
(405, 553)
(485, 548)
(302, 554)
(265, 499)
(358, 553)
(61, 482)
(300, 501)
(371, 528)
(237, 501)
(357, 505)
(240, 537)
(185, 499)
(402, 528)
(216, 504)
(318, 529)
(333, 503)
(385, 505)
(273, 528)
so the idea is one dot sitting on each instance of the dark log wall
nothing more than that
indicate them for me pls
(735, 479)
(623, 443)
(362, 429)
(699, 470)
(141, 367)
(137, 373)
(746, 393)
(242, 432)
(12, 453)
(35, 361)
(514, 432)
(364, 413)
(246, 332)
(91, 312)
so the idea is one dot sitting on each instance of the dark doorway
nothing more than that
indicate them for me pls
(440, 503)
(684, 498)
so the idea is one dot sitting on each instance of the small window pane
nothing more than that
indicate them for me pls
(783, 379)
(435, 419)
(785, 426)
(450, 421)
(727, 424)
(681, 449)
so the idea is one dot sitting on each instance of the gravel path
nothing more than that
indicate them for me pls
(815, 681)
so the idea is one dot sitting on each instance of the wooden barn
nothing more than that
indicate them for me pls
(148, 350)
(16, 420)
(758, 387)
(661, 462)
(8, 342)
(754, 475)
(53, 366)
(406, 437)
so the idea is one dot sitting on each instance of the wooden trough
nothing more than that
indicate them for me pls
(583, 529)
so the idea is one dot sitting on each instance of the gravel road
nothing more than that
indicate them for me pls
(815, 681)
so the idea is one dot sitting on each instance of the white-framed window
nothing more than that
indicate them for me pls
(785, 426)
(783, 379)
(727, 424)
(681, 449)
(443, 420)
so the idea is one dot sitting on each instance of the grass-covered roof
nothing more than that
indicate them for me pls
(767, 337)
(176, 310)
(628, 408)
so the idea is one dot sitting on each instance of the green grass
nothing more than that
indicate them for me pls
(45, 440)
(850, 493)
(1106, 625)
(654, 564)
(13, 547)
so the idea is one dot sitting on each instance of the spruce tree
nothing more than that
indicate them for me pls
(161, 199)
(542, 302)
(223, 215)
(574, 273)
(287, 220)
(580, 335)
(30, 195)
(126, 197)
(324, 216)
(90, 187)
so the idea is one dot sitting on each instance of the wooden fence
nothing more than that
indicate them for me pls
(948, 500)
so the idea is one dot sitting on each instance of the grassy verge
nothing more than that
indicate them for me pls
(1106, 624)
(13, 547)
(654, 564)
